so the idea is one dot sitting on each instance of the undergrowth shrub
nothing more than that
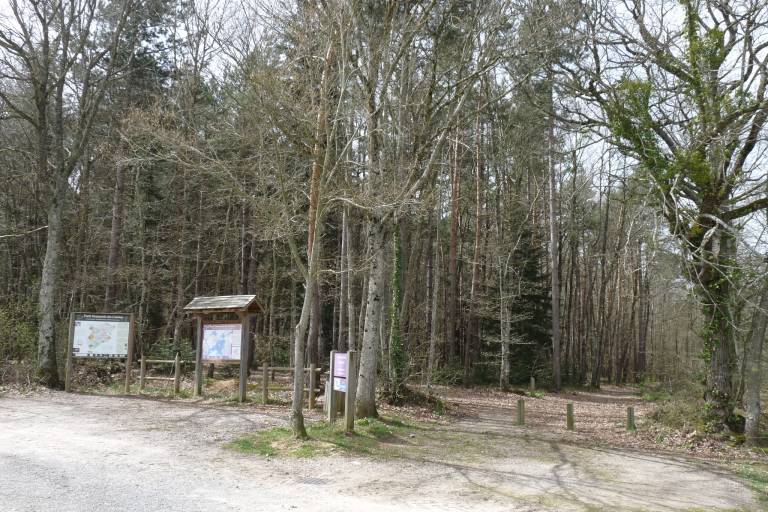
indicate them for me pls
(18, 331)
(679, 405)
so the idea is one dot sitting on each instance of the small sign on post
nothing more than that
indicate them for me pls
(343, 376)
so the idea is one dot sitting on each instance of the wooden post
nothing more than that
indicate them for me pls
(243, 357)
(532, 386)
(199, 357)
(312, 384)
(521, 412)
(70, 345)
(331, 405)
(569, 416)
(177, 374)
(142, 372)
(349, 397)
(129, 355)
(631, 427)
(264, 384)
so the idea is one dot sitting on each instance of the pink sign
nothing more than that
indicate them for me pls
(340, 364)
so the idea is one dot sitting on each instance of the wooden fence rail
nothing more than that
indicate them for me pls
(313, 390)
(177, 362)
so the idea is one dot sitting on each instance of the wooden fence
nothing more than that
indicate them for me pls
(313, 378)
(177, 362)
(312, 390)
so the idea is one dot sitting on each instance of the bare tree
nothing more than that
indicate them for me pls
(61, 53)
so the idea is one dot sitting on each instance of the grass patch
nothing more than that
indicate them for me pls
(654, 392)
(755, 476)
(384, 436)
(680, 406)
(261, 444)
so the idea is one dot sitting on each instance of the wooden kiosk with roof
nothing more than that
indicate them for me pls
(222, 334)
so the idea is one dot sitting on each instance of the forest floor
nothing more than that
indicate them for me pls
(79, 452)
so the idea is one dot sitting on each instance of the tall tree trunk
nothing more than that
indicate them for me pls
(753, 359)
(344, 284)
(435, 301)
(396, 352)
(272, 309)
(719, 348)
(180, 262)
(366, 385)
(597, 364)
(113, 260)
(299, 335)
(48, 372)
(506, 327)
(351, 317)
(450, 313)
(554, 254)
(473, 336)
(642, 314)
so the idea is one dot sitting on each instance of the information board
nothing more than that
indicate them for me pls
(340, 365)
(221, 342)
(101, 335)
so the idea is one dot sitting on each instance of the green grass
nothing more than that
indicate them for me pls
(383, 436)
(262, 443)
(656, 396)
(755, 476)
(654, 392)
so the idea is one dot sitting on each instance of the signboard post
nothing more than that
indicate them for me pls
(343, 376)
(100, 336)
(223, 340)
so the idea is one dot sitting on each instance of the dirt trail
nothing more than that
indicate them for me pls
(65, 453)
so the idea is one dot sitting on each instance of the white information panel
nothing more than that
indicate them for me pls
(96, 335)
(221, 342)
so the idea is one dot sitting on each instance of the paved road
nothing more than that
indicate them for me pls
(79, 453)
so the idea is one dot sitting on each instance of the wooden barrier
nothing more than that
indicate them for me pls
(521, 412)
(177, 362)
(631, 427)
(353, 366)
(569, 416)
(313, 390)
(265, 384)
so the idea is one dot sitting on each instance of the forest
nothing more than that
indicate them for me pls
(466, 192)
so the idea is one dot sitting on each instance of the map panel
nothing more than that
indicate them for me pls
(221, 342)
(97, 335)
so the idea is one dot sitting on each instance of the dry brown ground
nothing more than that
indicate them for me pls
(600, 418)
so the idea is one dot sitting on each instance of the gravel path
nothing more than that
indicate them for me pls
(78, 453)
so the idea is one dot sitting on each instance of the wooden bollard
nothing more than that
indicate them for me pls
(142, 372)
(631, 427)
(264, 384)
(532, 386)
(312, 383)
(177, 374)
(569, 416)
(521, 412)
(349, 397)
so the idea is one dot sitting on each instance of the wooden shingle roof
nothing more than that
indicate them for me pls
(224, 304)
